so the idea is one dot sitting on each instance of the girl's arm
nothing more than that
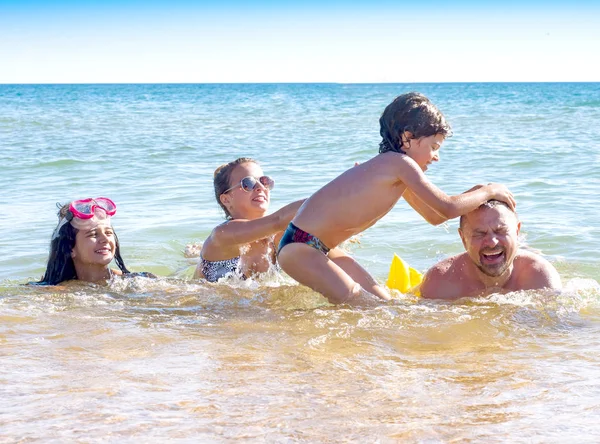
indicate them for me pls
(445, 206)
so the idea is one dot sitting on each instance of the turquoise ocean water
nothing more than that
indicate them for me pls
(178, 358)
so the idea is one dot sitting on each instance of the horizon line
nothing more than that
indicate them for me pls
(299, 83)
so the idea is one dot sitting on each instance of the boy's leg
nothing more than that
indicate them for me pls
(358, 273)
(312, 268)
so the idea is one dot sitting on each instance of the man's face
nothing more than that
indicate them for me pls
(490, 236)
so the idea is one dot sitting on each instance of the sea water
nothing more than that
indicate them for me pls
(268, 360)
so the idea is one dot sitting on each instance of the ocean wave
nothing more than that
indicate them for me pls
(58, 163)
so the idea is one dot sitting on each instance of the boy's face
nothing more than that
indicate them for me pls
(424, 150)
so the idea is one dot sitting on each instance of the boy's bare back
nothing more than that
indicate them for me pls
(353, 201)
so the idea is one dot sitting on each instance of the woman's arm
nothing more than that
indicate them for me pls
(241, 231)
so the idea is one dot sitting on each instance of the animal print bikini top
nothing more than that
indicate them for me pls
(215, 270)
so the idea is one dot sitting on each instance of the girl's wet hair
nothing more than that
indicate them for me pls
(410, 112)
(60, 265)
(222, 178)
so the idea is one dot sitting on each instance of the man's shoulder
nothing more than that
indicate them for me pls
(445, 280)
(531, 259)
(448, 266)
(535, 271)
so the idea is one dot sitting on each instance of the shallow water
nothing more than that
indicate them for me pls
(178, 359)
(151, 360)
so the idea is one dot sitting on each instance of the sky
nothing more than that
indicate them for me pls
(364, 41)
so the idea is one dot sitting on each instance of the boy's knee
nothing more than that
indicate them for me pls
(349, 297)
(382, 292)
(359, 296)
(355, 292)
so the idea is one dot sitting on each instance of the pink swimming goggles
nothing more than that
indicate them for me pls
(86, 208)
(85, 214)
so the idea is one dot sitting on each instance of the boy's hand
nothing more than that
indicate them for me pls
(500, 192)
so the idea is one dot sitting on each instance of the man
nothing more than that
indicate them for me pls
(493, 261)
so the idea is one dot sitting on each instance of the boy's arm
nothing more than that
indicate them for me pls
(428, 213)
(448, 207)
(243, 231)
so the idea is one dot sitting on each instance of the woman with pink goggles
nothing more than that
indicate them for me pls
(84, 243)
(245, 244)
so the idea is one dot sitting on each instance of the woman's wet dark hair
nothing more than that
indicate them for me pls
(410, 112)
(60, 265)
(222, 178)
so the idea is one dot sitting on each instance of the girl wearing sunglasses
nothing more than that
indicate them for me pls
(245, 243)
(84, 243)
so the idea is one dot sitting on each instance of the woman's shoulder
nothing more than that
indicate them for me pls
(221, 243)
(216, 233)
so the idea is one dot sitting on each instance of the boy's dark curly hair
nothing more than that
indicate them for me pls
(411, 112)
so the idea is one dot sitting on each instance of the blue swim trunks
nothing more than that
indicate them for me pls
(293, 234)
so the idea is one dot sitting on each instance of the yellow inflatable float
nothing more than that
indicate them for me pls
(403, 278)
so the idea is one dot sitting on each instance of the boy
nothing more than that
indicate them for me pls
(413, 130)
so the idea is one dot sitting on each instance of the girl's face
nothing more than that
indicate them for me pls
(424, 150)
(244, 204)
(95, 246)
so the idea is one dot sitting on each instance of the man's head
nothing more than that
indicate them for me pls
(490, 236)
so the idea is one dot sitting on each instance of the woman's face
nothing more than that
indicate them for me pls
(244, 204)
(95, 246)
